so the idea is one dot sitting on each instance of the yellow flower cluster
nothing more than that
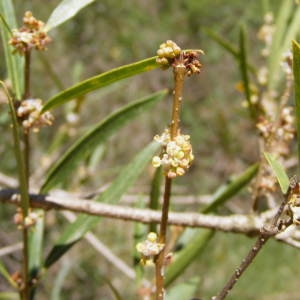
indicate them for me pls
(177, 154)
(149, 248)
(166, 52)
(30, 113)
(26, 222)
(30, 35)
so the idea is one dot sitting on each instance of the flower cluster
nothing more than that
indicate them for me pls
(283, 131)
(167, 52)
(32, 35)
(266, 33)
(191, 62)
(29, 112)
(26, 222)
(149, 248)
(170, 54)
(294, 204)
(177, 154)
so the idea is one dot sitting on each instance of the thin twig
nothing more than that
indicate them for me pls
(26, 155)
(27, 75)
(10, 249)
(266, 233)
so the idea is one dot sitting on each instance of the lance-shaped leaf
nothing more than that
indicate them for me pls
(231, 49)
(194, 241)
(155, 193)
(228, 190)
(128, 175)
(244, 72)
(14, 62)
(276, 49)
(296, 70)
(97, 135)
(279, 172)
(65, 10)
(100, 81)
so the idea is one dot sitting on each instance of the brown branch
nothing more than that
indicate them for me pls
(247, 224)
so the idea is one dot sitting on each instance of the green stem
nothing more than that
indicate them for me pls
(179, 74)
(27, 75)
(23, 189)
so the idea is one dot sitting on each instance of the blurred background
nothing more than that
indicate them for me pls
(108, 34)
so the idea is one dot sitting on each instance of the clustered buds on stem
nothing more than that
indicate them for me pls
(169, 53)
(266, 32)
(30, 115)
(26, 222)
(149, 248)
(177, 155)
(32, 35)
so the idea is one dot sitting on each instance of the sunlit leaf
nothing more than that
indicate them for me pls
(14, 62)
(296, 70)
(100, 81)
(97, 135)
(155, 194)
(279, 172)
(231, 188)
(127, 176)
(36, 244)
(244, 72)
(65, 11)
(287, 26)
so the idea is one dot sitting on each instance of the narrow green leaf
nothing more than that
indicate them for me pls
(128, 175)
(187, 255)
(6, 274)
(292, 31)
(56, 293)
(276, 49)
(244, 72)
(100, 81)
(14, 63)
(65, 11)
(279, 172)
(140, 230)
(97, 135)
(234, 51)
(231, 188)
(185, 290)
(18, 153)
(36, 245)
(194, 241)
(155, 194)
(231, 49)
(296, 70)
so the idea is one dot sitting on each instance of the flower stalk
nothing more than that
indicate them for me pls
(179, 74)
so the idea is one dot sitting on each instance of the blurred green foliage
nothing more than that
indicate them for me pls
(106, 35)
